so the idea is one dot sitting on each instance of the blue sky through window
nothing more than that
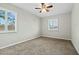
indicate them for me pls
(2, 21)
(2, 17)
(11, 18)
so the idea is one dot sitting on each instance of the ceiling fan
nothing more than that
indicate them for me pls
(44, 7)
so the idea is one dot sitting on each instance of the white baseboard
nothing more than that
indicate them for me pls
(55, 37)
(26, 39)
(36, 36)
(75, 46)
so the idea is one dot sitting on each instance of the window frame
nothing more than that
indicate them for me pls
(6, 25)
(54, 29)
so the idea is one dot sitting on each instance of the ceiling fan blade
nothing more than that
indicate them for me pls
(37, 8)
(40, 11)
(50, 6)
(47, 10)
(42, 4)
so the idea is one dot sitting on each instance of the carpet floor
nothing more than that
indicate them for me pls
(41, 46)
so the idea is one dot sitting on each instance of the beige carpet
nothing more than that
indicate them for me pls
(41, 46)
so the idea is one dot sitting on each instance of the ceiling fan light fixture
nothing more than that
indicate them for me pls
(44, 7)
(43, 10)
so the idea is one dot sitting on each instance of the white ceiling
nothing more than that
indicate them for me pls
(59, 8)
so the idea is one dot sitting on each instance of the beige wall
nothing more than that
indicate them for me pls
(27, 27)
(64, 27)
(75, 26)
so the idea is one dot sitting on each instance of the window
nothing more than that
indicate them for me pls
(53, 24)
(7, 21)
(2, 20)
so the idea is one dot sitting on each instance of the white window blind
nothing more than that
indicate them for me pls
(53, 24)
